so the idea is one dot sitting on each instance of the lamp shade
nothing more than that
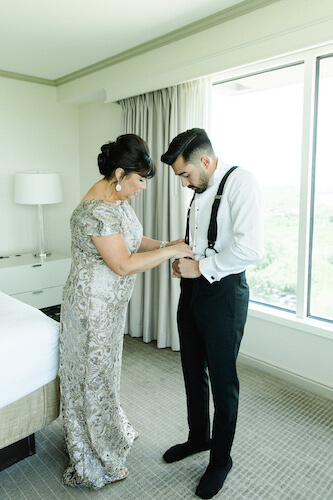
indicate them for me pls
(37, 188)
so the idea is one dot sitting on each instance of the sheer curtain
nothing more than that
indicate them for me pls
(158, 117)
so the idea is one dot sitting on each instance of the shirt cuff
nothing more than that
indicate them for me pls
(207, 270)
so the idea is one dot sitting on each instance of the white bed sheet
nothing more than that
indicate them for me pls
(29, 349)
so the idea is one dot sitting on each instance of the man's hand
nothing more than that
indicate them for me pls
(188, 268)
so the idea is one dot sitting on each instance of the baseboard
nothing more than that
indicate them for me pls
(290, 376)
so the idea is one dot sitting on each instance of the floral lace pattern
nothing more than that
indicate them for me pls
(98, 434)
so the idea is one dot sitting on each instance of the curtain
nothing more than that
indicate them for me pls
(158, 117)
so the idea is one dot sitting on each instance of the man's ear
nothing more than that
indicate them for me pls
(205, 160)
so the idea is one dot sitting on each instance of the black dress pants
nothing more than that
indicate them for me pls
(211, 319)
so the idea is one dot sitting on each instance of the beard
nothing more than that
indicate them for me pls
(202, 184)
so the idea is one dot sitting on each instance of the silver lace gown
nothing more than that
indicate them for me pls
(98, 434)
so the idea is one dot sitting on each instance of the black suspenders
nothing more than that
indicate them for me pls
(212, 229)
(187, 234)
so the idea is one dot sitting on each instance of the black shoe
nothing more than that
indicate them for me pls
(212, 480)
(183, 450)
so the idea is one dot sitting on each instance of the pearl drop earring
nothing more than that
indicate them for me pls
(118, 187)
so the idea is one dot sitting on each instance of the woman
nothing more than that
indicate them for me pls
(108, 249)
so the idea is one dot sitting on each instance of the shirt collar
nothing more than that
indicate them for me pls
(221, 169)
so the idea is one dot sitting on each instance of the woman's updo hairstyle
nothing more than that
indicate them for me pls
(129, 152)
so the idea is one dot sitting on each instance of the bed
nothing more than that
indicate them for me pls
(29, 384)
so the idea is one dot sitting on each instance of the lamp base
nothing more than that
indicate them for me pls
(42, 255)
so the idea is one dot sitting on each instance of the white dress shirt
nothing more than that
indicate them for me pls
(239, 239)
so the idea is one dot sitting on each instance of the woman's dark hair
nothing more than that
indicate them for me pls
(129, 152)
(188, 144)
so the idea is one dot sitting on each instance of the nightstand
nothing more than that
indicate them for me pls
(34, 281)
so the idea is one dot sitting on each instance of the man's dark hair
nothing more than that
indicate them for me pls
(188, 144)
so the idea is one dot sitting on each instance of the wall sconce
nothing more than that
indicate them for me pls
(38, 188)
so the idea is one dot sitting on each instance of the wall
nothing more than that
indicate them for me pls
(284, 26)
(298, 351)
(36, 133)
(98, 124)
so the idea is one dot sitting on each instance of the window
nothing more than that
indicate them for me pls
(257, 123)
(321, 263)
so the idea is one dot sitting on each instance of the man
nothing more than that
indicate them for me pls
(214, 296)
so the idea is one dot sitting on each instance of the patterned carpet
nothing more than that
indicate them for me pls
(283, 448)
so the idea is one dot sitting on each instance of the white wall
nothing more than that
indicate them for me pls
(300, 352)
(36, 133)
(98, 124)
(284, 26)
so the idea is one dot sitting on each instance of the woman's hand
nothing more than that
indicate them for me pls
(175, 269)
(182, 250)
(115, 253)
(175, 242)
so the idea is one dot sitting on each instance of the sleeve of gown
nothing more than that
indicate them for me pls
(102, 221)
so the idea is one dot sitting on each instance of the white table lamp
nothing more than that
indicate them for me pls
(38, 188)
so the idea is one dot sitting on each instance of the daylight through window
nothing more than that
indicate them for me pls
(257, 123)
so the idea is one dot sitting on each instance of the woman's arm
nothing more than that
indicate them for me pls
(148, 244)
(115, 253)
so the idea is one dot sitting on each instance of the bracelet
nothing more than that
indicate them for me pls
(163, 244)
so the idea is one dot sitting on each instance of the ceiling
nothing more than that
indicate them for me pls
(50, 39)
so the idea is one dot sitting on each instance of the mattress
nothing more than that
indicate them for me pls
(29, 349)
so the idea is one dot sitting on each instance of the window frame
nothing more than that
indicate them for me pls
(319, 58)
(310, 58)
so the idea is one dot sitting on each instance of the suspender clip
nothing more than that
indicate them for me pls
(218, 197)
